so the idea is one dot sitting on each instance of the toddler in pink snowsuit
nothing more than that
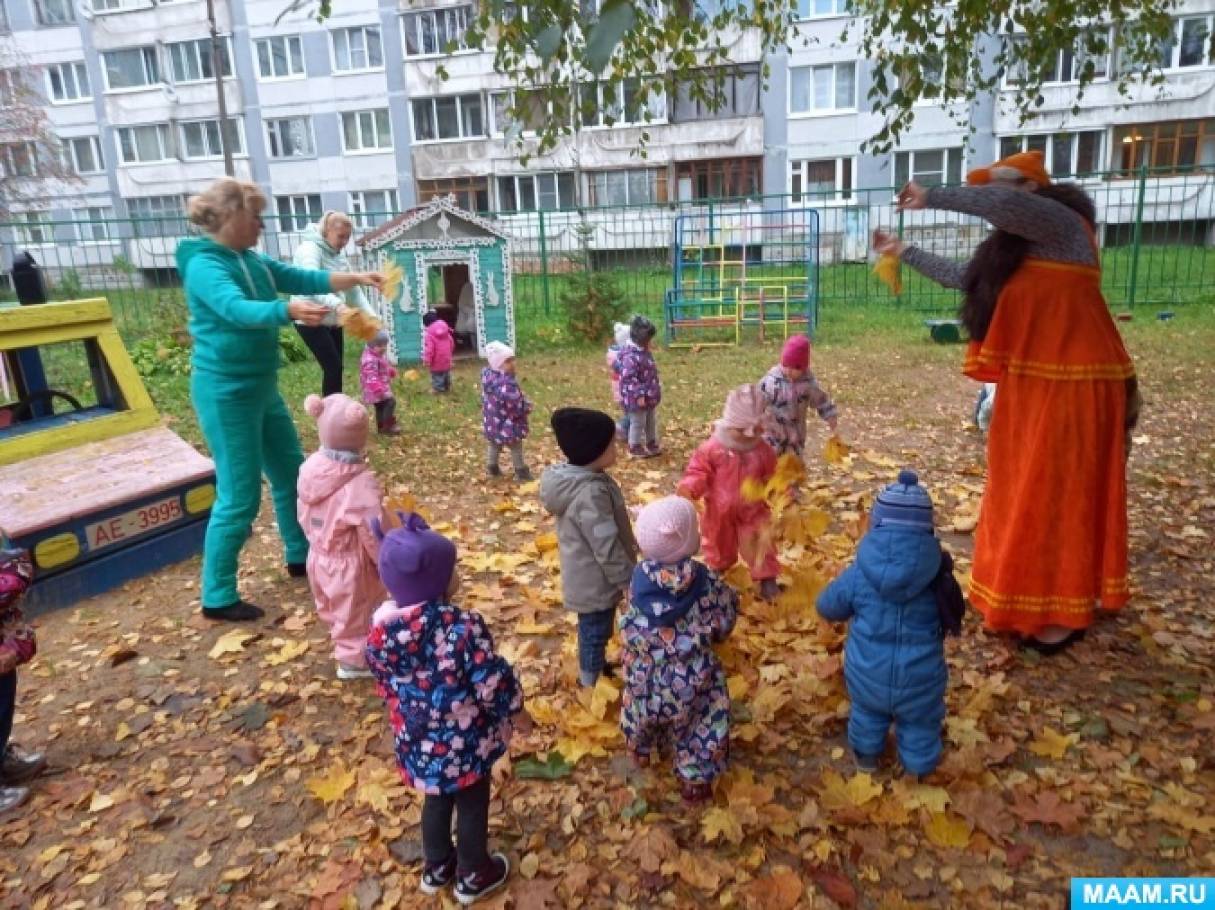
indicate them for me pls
(339, 497)
(732, 526)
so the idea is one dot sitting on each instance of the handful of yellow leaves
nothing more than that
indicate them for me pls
(359, 324)
(393, 276)
(887, 269)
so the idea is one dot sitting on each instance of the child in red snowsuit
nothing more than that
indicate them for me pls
(733, 526)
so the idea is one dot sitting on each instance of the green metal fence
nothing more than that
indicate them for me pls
(1157, 234)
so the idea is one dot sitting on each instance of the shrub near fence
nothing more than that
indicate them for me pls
(1157, 234)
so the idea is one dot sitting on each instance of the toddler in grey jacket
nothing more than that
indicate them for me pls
(594, 534)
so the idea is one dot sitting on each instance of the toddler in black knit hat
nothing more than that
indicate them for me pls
(594, 534)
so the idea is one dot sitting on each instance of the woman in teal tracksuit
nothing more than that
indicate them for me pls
(235, 313)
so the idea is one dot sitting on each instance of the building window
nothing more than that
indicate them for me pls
(720, 178)
(1062, 67)
(618, 104)
(190, 61)
(365, 131)
(296, 212)
(819, 180)
(131, 68)
(19, 159)
(84, 155)
(291, 137)
(532, 192)
(201, 139)
(143, 144)
(357, 49)
(928, 167)
(1189, 44)
(10, 86)
(812, 9)
(68, 82)
(114, 6)
(54, 12)
(371, 208)
(33, 227)
(533, 108)
(814, 89)
(628, 187)
(281, 57)
(435, 31)
(157, 214)
(1176, 147)
(472, 193)
(93, 223)
(1065, 154)
(448, 117)
(737, 95)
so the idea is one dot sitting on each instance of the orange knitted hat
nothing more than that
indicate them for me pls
(1021, 166)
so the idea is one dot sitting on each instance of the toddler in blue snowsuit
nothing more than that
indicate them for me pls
(901, 596)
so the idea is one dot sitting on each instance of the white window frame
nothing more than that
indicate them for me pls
(168, 212)
(434, 113)
(218, 154)
(147, 52)
(287, 41)
(109, 7)
(345, 33)
(490, 115)
(653, 178)
(94, 142)
(99, 216)
(534, 178)
(25, 224)
(301, 215)
(360, 212)
(1073, 153)
(840, 11)
(274, 136)
(657, 104)
(841, 192)
(6, 167)
(1012, 80)
(76, 71)
(199, 47)
(1175, 64)
(364, 149)
(814, 69)
(414, 18)
(165, 134)
(68, 5)
(949, 153)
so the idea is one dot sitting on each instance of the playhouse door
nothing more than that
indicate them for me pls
(454, 279)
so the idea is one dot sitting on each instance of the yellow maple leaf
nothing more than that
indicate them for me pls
(856, 792)
(289, 651)
(333, 785)
(232, 642)
(1181, 817)
(546, 542)
(720, 823)
(372, 794)
(919, 796)
(887, 271)
(835, 451)
(1052, 744)
(359, 324)
(947, 830)
(603, 695)
(393, 276)
(411, 375)
(575, 748)
(738, 686)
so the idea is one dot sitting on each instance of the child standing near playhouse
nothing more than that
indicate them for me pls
(339, 497)
(375, 376)
(620, 337)
(18, 644)
(733, 525)
(594, 534)
(790, 390)
(901, 598)
(675, 690)
(640, 389)
(438, 348)
(450, 699)
(504, 410)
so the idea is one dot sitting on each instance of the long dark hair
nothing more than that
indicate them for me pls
(1001, 254)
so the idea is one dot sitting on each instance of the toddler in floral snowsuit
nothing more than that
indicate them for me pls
(504, 410)
(18, 644)
(450, 699)
(790, 390)
(640, 389)
(675, 689)
(375, 377)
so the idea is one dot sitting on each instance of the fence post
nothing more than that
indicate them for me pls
(1137, 235)
(543, 263)
(898, 298)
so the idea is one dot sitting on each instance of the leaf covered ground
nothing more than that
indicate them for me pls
(202, 766)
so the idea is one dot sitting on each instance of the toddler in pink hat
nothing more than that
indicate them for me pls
(789, 390)
(339, 497)
(675, 693)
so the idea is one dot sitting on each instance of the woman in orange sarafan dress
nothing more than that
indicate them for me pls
(1051, 543)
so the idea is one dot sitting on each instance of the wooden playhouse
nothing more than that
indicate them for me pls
(454, 263)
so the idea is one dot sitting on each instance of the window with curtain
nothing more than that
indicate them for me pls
(824, 88)
(290, 137)
(133, 67)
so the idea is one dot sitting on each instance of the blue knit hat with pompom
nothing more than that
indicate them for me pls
(904, 504)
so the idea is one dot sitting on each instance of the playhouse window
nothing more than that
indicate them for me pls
(472, 193)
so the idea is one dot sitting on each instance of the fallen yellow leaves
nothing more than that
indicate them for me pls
(1051, 744)
(947, 830)
(289, 651)
(835, 451)
(859, 790)
(231, 642)
(332, 786)
(720, 823)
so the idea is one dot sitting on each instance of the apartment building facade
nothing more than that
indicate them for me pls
(354, 114)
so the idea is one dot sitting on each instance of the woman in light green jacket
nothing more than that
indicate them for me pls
(321, 248)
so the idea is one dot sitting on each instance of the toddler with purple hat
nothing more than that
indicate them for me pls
(675, 692)
(451, 700)
(504, 410)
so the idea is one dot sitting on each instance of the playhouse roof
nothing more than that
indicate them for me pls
(437, 209)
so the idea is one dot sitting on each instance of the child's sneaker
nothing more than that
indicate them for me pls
(638, 452)
(866, 764)
(654, 450)
(18, 765)
(524, 476)
(493, 471)
(390, 430)
(12, 797)
(696, 791)
(437, 876)
(345, 672)
(476, 885)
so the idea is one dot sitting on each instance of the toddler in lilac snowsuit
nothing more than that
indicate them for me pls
(675, 688)
(504, 410)
(640, 389)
